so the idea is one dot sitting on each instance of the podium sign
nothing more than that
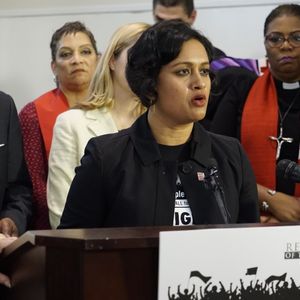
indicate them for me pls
(230, 263)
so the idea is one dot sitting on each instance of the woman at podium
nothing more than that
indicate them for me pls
(166, 169)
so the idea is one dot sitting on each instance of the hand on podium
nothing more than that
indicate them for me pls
(5, 241)
(8, 227)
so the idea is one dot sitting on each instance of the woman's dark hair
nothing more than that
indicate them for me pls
(70, 28)
(157, 46)
(281, 10)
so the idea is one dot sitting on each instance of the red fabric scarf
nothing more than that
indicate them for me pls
(48, 107)
(259, 121)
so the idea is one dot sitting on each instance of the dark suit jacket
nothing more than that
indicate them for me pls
(15, 186)
(122, 181)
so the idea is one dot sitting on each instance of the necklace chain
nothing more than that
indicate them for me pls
(282, 139)
(282, 118)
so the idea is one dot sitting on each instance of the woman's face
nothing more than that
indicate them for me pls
(285, 59)
(75, 62)
(183, 86)
(118, 67)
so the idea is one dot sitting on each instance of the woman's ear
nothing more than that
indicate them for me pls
(112, 63)
(53, 68)
(192, 17)
(54, 71)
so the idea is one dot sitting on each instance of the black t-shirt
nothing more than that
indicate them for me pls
(182, 210)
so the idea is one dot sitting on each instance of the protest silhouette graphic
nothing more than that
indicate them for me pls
(275, 287)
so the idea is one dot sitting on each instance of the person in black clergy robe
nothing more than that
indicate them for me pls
(265, 115)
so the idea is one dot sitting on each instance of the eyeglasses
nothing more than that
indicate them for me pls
(277, 39)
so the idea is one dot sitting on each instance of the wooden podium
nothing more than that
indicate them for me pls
(89, 264)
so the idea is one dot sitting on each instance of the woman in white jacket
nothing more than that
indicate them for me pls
(111, 106)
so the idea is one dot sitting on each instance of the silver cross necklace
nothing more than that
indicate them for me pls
(281, 139)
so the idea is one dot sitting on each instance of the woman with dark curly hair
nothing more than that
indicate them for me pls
(165, 169)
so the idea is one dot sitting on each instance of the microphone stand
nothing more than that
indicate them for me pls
(212, 179)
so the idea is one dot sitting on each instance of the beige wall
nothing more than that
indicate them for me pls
(26, 4)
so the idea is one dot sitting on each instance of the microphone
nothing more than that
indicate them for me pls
(186, 167)
(289, 170)
(213, 182)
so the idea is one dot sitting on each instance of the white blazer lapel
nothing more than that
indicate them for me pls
(100, 122)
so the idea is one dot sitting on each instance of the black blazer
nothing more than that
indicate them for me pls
(15, 186)
(123, 181)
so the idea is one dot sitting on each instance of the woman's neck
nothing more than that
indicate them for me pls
(166, 133)
(124, 108)
(290, 77)
(74, 97)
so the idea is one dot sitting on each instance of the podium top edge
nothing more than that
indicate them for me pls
(116, 238)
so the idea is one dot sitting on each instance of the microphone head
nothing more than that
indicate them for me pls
(186, 167)
(285, 168)
(213, 163)
(212, 168)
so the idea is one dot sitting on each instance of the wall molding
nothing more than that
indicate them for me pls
(236, 3)
(125, 8)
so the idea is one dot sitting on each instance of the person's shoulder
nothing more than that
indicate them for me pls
(5, 97)
(218, 53)
(237, 72)
(5, 100)
(28, 111)
(115, 143)
(72, 119)
(222, 138)
(78, 115)
(46, 95)
(235, 78)
(226, 147)
(110, 143)
(71, 114)
(227, 143)
(112, 139)
(8, 108)
(30, 106)
(108, 148)
(232, 83)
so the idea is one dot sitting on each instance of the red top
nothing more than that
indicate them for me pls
(48, 107)
(37, 119)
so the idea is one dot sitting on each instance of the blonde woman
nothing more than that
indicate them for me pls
(110, 107)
